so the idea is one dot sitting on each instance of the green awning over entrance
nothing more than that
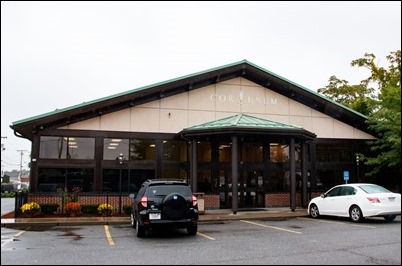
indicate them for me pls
(242, 123)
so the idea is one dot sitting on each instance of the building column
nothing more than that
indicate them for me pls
(292, 174)
(193, 165)
(304, 172)
(235, 170)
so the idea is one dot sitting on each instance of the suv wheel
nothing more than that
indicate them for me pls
(132, 220)
(174, 206)
(140, 229)
(192, 230)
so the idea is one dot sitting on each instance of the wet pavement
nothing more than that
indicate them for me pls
(207, 216)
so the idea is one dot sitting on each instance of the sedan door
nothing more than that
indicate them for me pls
(328, 204)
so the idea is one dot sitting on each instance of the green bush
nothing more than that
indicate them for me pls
(49, 208)
(8, 194)
(127, 209)
(89, 208)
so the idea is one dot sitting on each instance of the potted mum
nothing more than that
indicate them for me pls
(30, 209)
(73, 208)
(105, 209)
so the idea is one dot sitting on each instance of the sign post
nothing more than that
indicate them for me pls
(346, 176)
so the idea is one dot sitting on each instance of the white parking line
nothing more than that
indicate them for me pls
(208, 237)
(6, 241)
(335, 222)
(272, 227)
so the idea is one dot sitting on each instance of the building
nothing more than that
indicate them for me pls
(234, 124)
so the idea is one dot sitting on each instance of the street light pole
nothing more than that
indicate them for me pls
(357, 167)
(121, 166)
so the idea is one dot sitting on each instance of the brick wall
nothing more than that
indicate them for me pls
(211, 202)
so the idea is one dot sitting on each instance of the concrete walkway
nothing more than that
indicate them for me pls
(208, 216)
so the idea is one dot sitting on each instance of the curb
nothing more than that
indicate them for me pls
(269, 215)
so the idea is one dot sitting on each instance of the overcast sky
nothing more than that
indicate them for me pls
(58, 54)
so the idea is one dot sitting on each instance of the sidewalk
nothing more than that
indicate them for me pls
(208, 216)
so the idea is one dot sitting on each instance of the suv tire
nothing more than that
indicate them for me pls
(174, 206)
(132, 220)
(192, 230)
(140, 230)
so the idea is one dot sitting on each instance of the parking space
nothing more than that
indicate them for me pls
(228, 242)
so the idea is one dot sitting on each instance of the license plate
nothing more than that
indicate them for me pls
(154, 216)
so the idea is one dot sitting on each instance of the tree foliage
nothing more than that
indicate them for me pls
(379, 98)
(360, 97)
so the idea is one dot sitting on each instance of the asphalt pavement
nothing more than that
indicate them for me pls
(7, 206)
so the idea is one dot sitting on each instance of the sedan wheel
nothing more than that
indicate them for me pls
(389, 218)
(355, 214)
(314, 213)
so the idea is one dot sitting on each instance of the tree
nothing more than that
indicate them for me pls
(360, 98)
(381, 105)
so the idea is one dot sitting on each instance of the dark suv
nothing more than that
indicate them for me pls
(164, 203)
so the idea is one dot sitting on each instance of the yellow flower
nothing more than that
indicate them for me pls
(31, 208)
(105, 209)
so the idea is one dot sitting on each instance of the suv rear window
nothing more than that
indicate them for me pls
(167, 189)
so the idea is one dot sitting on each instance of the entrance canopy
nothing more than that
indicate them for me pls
(242, 124)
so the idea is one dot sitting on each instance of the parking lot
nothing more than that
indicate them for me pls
(299, 240)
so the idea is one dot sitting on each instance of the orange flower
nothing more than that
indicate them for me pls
(73, 207)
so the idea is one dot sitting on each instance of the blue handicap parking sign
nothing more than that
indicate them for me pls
(346, 175)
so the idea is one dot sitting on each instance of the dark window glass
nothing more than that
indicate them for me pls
(50, 179)
(174, 150)
(252, 152)
(111, 181)
(112, 148)
(334, 192)
(67, 148)
(204, 151)
(142, 149)
(225, 152)
(153, 191)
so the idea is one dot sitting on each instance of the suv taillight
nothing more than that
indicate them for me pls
(144, 202)
(194, 199)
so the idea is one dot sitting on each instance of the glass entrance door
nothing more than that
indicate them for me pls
(249, 188)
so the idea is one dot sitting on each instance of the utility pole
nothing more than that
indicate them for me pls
(22, 154)
(2, 149)
(2, 145)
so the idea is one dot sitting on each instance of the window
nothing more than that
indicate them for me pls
(113, 147)
(50, 179)
(142, 149)
(174, 151)
(67, 148)
(346, 191)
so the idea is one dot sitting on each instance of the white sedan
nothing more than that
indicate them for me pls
(357, 201)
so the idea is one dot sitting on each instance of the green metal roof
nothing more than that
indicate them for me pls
(26, 128)
(242, 121)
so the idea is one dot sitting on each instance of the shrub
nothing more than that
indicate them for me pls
(31, 208)
(127, 209)
(105, 209)
(89, 208)
(49, 208)
(73, 207)
(8, 194)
